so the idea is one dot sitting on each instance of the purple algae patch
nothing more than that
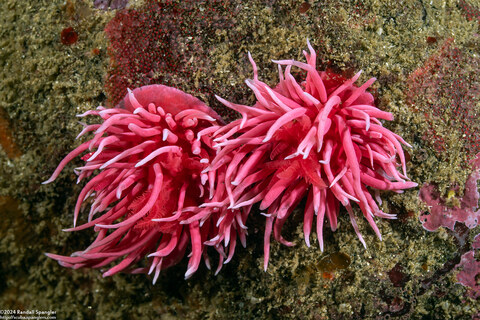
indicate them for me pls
(110, 4)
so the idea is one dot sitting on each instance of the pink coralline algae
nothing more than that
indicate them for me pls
(321, 138)
(440, 215)
(470, 270)
(145, 169)
(468, 213)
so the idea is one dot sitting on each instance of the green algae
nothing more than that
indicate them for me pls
(44, 83)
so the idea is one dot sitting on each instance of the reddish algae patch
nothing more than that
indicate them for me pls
(68, 36)
(162, 42)
(470, 11)
(445, 89)
(6, 138)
